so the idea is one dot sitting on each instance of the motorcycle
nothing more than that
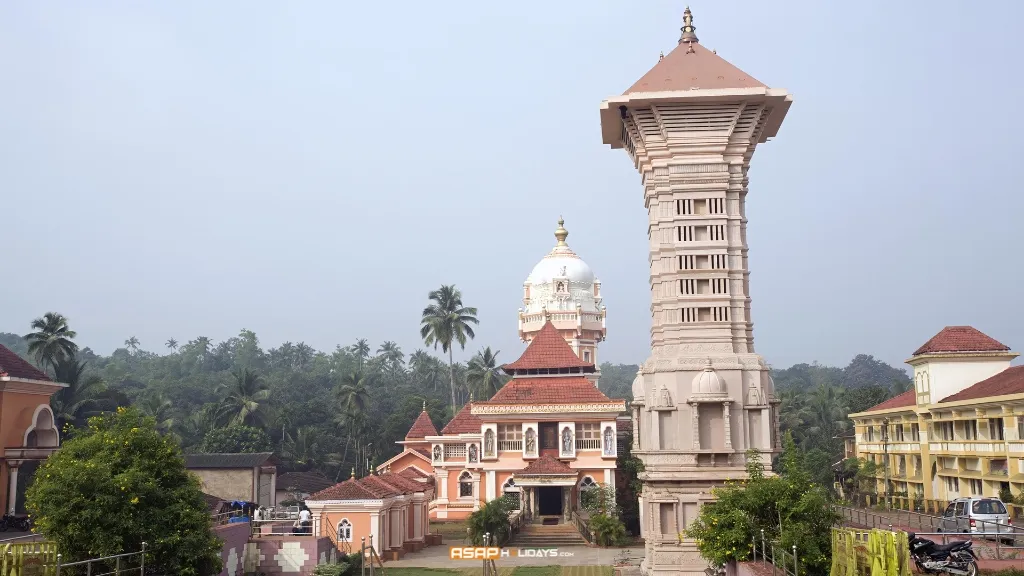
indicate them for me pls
(956, 558)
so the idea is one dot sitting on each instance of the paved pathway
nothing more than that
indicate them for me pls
(439, 557)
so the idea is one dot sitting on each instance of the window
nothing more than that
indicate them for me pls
(586, 355)
(667, 516)
(951, 509)
(952, 486)
(976, 487)
(344, 530)
(1020, 427)
(588, 436)
(716, 232)
(720, 286)
(718, 261)
(588, 494)
(944, 430)
(466, 485)
(870, 433)
(898, 436)
(915, 433)
(512, 494)
(988, 507)
(970, 430)
(995, 429)
(510, 437)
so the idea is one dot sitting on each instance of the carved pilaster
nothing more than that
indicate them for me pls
(695, 409)
(728, 425)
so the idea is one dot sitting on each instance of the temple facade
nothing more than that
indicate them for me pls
(704, 397)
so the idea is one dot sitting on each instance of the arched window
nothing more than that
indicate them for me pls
(512, 493)
(588, 491)
(344, 530)
(465, 485)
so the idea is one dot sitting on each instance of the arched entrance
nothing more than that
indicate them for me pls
(41, 439)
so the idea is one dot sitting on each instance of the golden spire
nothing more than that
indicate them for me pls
(353, 471)
(561, 233)
(424, 405)
(688, 30)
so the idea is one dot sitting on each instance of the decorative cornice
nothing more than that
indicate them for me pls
(26, 386)
(605, 407)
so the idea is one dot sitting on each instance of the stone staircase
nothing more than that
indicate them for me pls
(540, 536)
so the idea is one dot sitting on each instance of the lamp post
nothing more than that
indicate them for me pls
(885, 461)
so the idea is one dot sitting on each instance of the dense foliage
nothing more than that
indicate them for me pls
(116, 483)
(789, 508)
(237, 438)
(491, 518)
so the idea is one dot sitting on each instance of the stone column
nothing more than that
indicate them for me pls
(636, 428)
(12, 496)
(695, 407)
(476, 492)
(766, 429)
(566, 502)
(728, 425)
(442, 477)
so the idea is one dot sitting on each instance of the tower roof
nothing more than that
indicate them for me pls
(422, 427)
(961, 339)
(561, 262)
(15, 366)
(547, 350)
(464, 422)
(547, 465)
(559, 390)
(691, 66)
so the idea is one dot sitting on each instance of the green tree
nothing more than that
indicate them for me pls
(158, 407)
(244, 400)
(789, 508)
(172, 344)
(118, 483)
(81, 399)
(361, 350)
(483, 375)
(353, 393)
(52, 341)
(391, 357)
(132, 344)
(491, 518)
(446, 321)
(235, 439)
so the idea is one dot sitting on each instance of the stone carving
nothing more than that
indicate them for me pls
(561, 271)
(567, 447)
(754, 397)
(489, 443)
(609, 441)
(530, 442)
(437, 453)
(473, 455)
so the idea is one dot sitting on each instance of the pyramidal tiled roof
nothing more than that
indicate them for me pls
(15, 366)
(557, 390)
(908, 398)
(548, 349)
(961, 339)
(691, 66)
(546, 465)
(421, 428)
(464, 422)
(351, 489)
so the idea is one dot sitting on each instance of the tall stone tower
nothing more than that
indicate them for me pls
(703, 398)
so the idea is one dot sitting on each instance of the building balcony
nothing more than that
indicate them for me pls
(892, 448)
(967, 447)
(593, 444)
(510, 445)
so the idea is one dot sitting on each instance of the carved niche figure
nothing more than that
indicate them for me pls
(473, 455)
(609, 441)
(560, 287)
(489, 443)
(531, 441)
(562, 271)
(566, 440)
(437, 453)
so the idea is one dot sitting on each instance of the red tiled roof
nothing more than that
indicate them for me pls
(1009, 381)
(548, 349)
(693, 67)
(421, 428)
(423, 451)
(17, 367)
(624, 425)
(556, 390)
(379, 487)
(961, 339)
(908, 398)
(412, 473)
(350, 489)
(464, 422)
(406, 485)
(303, 481)
(546, 464)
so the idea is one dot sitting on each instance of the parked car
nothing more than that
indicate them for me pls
(982, 515)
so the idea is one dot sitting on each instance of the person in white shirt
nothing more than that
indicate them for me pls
(304, 523)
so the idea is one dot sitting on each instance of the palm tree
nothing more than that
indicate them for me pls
(361, 350)
(172, 344)
(353, 393)
(391, 356)
(132, 344)
(426, 368)
(445, 322)
(244, 400)
(80, 400)
(197, 425)
(483, 374)
(52, 340)
(159, 407)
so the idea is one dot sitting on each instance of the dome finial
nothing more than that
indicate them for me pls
(561, 233)
(688, 30)
(424, 405)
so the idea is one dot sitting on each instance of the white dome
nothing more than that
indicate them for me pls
(562, 262)
(707, 382)
(638, 386)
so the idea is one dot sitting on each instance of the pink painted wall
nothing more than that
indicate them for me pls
(235, 537)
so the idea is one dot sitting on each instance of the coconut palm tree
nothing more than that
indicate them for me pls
(172, 344)
(391, 357)
(445, 322)
(361, 350)
(160, 409)
(74, 404)
(426, 369)
(353, 394)
(52, 341)
(244, 400)
(483, 375)
(132, 344)
(194, 427)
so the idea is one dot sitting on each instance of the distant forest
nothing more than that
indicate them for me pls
(332, 411)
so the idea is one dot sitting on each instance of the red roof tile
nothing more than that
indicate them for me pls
(546, 464)
(548, 349)
(904, 400)
(423, 451)
(375, 485)
(961, 339)
(17, 367)
(404, 484)
(1009, 381)
(350, 489)
(693, 67)
(464, 422)
(421, 428)
(412, 473)
(308, 482)
(555, 390)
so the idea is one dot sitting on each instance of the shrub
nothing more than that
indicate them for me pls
(608, 530)
(117, 483)
(235, 439)
(1005, 495)
(340, 569)
(492, 518)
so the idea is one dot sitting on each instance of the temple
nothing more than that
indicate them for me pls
(690, 126)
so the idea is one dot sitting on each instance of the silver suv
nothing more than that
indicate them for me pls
(977, 514)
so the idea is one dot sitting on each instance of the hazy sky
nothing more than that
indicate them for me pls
(310, 170)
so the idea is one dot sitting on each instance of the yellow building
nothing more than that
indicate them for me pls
(960, 431)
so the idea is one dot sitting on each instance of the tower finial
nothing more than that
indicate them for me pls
(661, 56)
(688, 30)
(353, 471)
(424, 405)
(561, 233)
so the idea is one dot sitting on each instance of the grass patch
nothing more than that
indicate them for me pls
(422, 571)
(508, 571)
(450, 531)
